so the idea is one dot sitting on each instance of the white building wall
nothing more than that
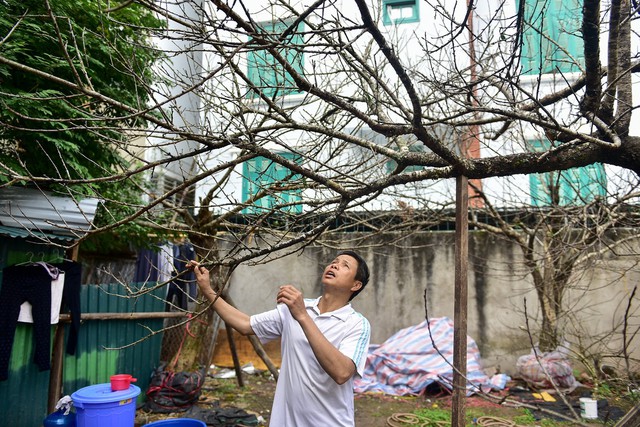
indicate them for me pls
(181, 67)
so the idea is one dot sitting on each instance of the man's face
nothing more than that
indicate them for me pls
(341, 272)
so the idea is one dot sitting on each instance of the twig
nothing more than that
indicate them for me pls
(625, 344)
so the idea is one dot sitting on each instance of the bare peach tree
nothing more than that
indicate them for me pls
(266, 123)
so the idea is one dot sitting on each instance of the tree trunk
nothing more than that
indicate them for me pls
(198, 335)
(549, 328)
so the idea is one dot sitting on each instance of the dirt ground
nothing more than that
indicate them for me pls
(372, 410)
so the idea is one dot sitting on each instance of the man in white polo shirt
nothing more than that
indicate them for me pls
(324, 343)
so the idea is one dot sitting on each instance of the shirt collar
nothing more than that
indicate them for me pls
(342, 313)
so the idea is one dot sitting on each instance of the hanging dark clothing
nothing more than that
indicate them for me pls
(20, 283)
(71, 300)
(146, 266)
(183, 287)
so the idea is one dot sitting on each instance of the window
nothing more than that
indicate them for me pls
(261, 174)
(569, 187)
(165, 182)
(552, 39)
(399, 11)
(265, 72)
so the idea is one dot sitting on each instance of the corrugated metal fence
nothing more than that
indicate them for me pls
(104, 347)
(107, 347)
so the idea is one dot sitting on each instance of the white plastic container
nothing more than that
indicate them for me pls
(588, 408)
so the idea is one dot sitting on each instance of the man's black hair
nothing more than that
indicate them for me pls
(362, 273)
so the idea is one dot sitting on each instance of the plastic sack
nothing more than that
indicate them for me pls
(173, 391)
(554, 366)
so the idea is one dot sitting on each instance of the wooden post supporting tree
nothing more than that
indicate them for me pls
(460, 304)
(470, 149)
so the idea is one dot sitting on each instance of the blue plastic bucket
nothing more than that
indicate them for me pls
(98, 406)
(177, 422)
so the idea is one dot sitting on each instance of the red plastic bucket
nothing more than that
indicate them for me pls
(121, 382)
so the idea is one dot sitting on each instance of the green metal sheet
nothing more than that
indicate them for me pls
(33, 234)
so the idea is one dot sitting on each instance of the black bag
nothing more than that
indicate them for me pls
(222, 417)
(173, 391)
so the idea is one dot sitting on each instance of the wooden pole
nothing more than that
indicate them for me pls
(126, 316)
(55, 375)
(631, 419)
(234, 354)
(57, 356)
(258, 347)
(460, 304)
(471, 147)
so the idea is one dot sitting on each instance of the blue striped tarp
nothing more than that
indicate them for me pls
(415, 357)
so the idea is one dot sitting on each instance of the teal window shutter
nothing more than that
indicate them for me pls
(552, 38)
(261, 174)
(400, 11)
(573, 186)
(583, 184)
(265, 72)
(254, 174)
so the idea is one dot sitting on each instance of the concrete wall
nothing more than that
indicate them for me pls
(499, 290)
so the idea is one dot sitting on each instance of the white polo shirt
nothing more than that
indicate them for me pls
(306, 396)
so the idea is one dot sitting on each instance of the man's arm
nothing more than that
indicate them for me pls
(231, 315)
(339, 367)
